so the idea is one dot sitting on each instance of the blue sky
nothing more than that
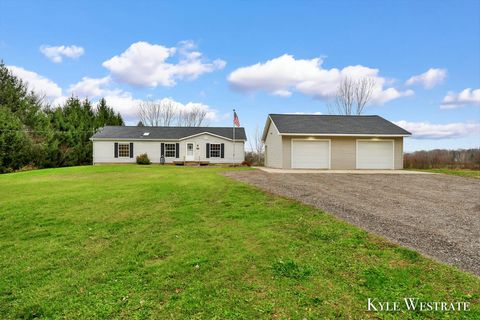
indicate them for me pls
(259, 57)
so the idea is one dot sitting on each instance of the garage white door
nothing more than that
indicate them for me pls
(374, 154)
(309, 154)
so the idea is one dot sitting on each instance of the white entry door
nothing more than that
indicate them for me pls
(375, 154)
(311, 154)
(190, 154)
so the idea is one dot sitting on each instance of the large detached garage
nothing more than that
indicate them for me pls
(332, 142)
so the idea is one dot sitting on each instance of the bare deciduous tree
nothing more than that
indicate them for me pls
(363, 92)
(352, 96)
(165, 113)
(256, 155)
(256, 144)
(149, 113)
(194, 117)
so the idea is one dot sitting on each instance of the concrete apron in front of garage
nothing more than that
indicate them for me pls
(362, 171)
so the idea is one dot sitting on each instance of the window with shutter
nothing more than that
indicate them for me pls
(215, 149)
(124, 150)
(170, 150)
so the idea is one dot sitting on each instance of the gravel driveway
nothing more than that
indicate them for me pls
(438, 215)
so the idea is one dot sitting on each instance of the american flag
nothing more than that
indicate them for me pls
(236, 122)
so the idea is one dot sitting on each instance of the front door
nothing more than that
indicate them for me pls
(190, 154)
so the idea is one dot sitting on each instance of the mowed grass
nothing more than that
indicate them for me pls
(456, 172)
(142, 242)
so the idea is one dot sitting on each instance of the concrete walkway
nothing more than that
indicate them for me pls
(272, 170)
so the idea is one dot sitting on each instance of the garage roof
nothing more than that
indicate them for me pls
(335, 125)
(165, 133)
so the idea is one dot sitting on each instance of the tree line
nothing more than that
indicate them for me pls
(440, 158)
(33, 134)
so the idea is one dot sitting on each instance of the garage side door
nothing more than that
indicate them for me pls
(374, 154)
(309, 154)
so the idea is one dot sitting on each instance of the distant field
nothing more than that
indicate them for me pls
(455, 172)
(141, 242)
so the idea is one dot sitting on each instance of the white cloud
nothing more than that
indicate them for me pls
(429, 79)
(89, 87)
(37, 83)
(280, 76)
(123, 102)
(282, 93)
(211, 114)
(145, 64)
(94, 88)
(426, 130)
(59, 101)
(56, 53)
(455, 100)
(127, 105)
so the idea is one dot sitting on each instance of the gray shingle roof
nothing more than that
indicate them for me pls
(335, 124)
(167, 133)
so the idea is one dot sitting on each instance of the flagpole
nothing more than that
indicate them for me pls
(233, 122)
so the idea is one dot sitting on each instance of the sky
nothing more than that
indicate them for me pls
(258, 57)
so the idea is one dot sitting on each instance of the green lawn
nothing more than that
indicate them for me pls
(455, 172)
(137, 242)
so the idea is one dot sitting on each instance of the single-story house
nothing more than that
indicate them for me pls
(332, 142)
(121, 144)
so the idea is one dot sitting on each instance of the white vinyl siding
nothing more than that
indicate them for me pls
(375, 154)
(310, 154)
(273, 148)
(103, 151)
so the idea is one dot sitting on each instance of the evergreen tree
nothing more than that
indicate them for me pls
(15, 96)
(33, 133)
(74, 125)
(25, 111)
(15, 144)
(106, 116)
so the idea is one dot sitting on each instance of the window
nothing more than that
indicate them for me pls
(215, 150)
(124, 150)
(146, 134)
(169, 150)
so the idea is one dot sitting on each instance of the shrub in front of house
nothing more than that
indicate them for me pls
(255, 158)
(143, 159)
(246, 163)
